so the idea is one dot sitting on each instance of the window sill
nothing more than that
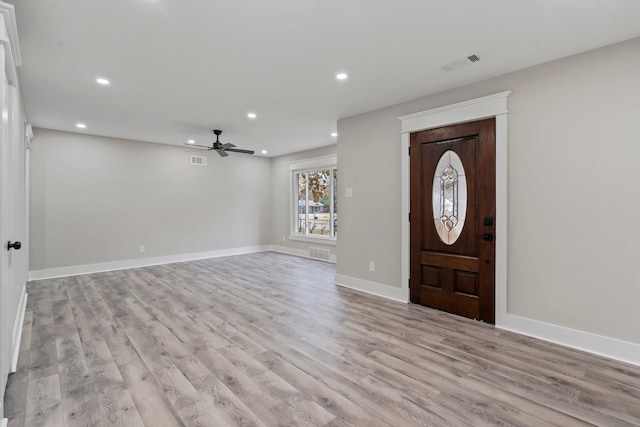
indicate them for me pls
(322, 240)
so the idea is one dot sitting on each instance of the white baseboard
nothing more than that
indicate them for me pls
(612, 348)
(300, 252)
(385, 291)
(17, 331)
(75, 270)
(4, 422)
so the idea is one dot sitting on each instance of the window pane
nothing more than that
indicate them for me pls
(315, 200)
(319, 203)
(335, 202)
(302, 203)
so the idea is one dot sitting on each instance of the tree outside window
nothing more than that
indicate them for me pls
(316, 204)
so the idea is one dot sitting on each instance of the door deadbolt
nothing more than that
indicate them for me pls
(14, 245)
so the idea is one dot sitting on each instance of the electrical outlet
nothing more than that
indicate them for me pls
(142, 249)
(284, 238)
(372, 266)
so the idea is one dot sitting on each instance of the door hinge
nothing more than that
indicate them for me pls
(409, 150)
(409, 216)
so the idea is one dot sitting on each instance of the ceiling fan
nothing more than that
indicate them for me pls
(221, 148)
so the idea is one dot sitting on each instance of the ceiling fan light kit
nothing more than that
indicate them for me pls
(220, 148)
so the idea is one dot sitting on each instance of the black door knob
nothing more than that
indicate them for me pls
(14, 245)
(488, 237)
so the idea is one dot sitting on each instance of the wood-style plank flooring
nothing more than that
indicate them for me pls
(268, 340)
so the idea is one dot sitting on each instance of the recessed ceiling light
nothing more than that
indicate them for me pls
(334, 134)
(102, 81)
(191, 141)
(252, 115)
(81, 125)
(341, 76)
(264, 151)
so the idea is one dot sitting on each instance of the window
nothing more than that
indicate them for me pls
(315, 210)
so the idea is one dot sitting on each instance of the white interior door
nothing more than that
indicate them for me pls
(13, 202)
(6, 314)
(13, 225)
(17, 151)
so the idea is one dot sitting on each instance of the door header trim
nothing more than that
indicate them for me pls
(471, 110)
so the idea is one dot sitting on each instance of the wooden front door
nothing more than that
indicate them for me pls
(452, 180)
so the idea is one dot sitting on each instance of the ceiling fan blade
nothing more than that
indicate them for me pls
(222, 153)
(237, 150)
(227, 146)
(196, 145)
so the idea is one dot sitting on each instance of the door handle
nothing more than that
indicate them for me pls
(487, 237)
(14, 245)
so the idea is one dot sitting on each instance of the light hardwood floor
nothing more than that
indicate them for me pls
(268, 340)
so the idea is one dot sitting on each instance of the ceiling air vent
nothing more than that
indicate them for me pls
(199, 160)
(460, 63)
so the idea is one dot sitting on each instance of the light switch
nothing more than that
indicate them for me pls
(348, 192)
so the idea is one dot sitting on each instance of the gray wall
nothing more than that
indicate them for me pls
(96, 200)
(572, 185)
(280, 185)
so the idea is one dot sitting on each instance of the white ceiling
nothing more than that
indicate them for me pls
(179, 68)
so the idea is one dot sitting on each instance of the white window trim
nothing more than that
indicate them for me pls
(320, 162)
(313, 239)
(317, 163)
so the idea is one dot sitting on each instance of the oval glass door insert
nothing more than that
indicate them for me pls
(449, 197)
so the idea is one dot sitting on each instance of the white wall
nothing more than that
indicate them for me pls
(96, 200)
(572, 188)
(280, 204)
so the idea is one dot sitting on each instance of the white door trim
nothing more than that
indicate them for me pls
(475, 109)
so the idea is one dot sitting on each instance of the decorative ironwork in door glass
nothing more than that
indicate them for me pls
(449, 197)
